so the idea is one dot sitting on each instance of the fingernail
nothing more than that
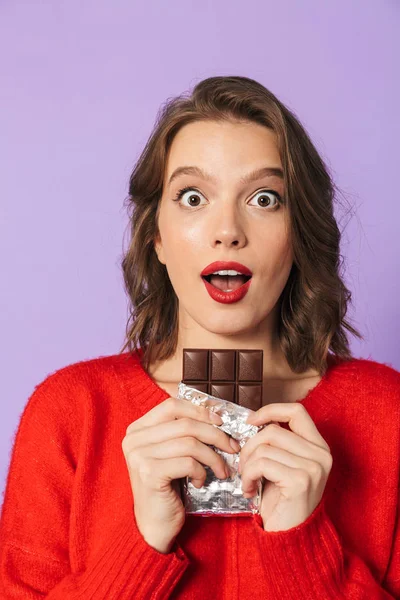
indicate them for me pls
(235, 445)
(216, 418)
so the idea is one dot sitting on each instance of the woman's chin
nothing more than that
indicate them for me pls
(229, 327)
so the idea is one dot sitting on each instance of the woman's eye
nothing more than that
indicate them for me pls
(265, 198)
(193, 199)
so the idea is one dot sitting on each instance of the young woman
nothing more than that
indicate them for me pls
(92, 509)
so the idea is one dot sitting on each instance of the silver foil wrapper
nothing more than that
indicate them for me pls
(221, 496)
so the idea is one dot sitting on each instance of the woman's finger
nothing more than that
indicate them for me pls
(276, 436)
(177, 429)
(250, 476)
(295, 415)
(180, 447)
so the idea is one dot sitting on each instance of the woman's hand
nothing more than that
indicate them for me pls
(169, 442)
(296, 465)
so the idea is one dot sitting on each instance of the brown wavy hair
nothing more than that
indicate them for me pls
(315, 299)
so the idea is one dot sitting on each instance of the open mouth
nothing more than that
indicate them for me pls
(227, 283)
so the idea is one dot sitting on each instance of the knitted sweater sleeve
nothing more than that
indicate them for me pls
(330, 571)
(35, 518)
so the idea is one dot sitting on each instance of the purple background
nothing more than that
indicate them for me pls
(81, 83)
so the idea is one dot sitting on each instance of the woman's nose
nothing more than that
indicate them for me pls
(227, 228)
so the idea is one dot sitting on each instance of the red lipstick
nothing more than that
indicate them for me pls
(223, 265)
(227, 297)
(219, 295)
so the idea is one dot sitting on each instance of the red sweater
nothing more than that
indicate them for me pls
(68, 531)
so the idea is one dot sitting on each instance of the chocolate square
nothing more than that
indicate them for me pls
(195, 365)
(234, 375)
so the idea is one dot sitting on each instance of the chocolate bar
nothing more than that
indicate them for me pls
(233, 375)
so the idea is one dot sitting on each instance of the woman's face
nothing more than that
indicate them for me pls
(225, 219)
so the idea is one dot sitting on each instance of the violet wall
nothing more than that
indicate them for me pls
(80, 85)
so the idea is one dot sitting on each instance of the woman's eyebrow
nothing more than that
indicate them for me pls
(252, 176)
